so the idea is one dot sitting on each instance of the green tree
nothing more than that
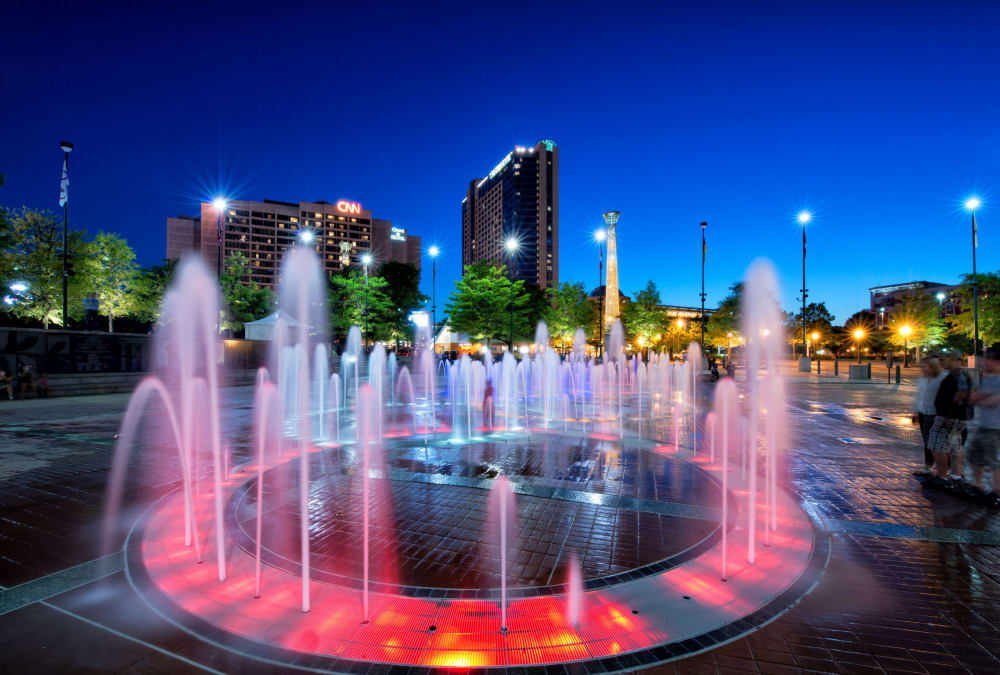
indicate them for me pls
(724, 325)
(920, 313)
(818, 319)
(570, 309)
(347, 305)
(644, 317)
(33, 256)
(481, 304)
(403, 288)
(151, 287)
(988, 292)
(243, 299)
(114, 275)
(678, 334)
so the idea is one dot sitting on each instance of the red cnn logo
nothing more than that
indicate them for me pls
(345, 206)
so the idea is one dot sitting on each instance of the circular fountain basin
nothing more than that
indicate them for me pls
(643, 521)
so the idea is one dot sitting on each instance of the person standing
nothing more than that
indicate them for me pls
(952, 411)
(931, 376)
(984, 446)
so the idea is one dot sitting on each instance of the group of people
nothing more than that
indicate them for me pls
(25, 383)
(947, 400)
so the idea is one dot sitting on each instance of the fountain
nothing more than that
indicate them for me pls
(346, 522)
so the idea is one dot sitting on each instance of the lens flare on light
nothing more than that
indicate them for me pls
(972, 203)
(804, 217)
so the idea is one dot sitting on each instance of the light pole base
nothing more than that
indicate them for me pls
(805, 364)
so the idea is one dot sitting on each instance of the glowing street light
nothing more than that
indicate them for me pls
(680, 323)
(219, 204)
(858, 335)
(511, 244)
(433, 252)
(306, 236)
(804, 217)
(971, 204)
(905, 331)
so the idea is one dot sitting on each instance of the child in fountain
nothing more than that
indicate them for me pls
(489, 405)
(984, 447)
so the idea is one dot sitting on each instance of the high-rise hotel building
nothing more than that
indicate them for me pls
(341, 233)
(520, 199)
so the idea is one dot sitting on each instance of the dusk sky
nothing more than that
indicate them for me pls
(880, 117)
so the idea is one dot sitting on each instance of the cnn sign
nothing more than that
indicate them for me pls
(345, 206)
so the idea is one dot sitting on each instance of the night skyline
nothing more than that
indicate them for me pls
(733, 114)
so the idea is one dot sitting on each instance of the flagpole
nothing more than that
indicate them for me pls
(704, 249)
(66, 147)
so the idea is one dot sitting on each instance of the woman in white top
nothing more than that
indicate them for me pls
(931, 375)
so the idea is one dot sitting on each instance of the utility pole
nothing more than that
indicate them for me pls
(704, 250)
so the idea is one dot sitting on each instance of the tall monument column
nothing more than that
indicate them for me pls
(612, 310)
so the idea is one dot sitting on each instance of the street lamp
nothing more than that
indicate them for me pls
(220, 205)
(905, 331)
(600, 236)
(858, 334)
(433, 251)
(973, 203)
(814, 337)
(306, 237)
(940, 299)
(511, 245)
(804, 217)
(366, 260)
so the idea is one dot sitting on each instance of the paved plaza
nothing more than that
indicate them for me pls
(912, 583)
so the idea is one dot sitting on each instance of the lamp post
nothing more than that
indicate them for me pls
(973, 203)
(940, 299)
(905, 331)
(599, 237)
(881, 316)
(704, 250)
(858, 334)
(511, 245)
(220, 205)
(433, 253)
(67, 148)
(814, 337)
(366, 260)
(804, 217)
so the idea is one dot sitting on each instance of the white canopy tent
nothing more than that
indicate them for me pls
(263, 329)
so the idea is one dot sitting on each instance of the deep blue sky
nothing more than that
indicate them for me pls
(880, 116)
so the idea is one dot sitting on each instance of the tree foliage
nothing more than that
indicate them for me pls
(243, 300)
(33, 256)
(403, 288)
(644, 317)
(347, 305)
(114, 275)
(727, 318)
(988, 293)
(481, 304)
(569, 309)
(151, 287)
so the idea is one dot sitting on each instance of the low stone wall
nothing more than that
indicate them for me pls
(85, 384)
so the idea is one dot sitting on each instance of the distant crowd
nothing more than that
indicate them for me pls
(24, 384)
(947, 403)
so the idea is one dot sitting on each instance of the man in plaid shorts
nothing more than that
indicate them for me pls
(953, 411)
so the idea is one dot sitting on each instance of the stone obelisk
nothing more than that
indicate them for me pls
(612, 311)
